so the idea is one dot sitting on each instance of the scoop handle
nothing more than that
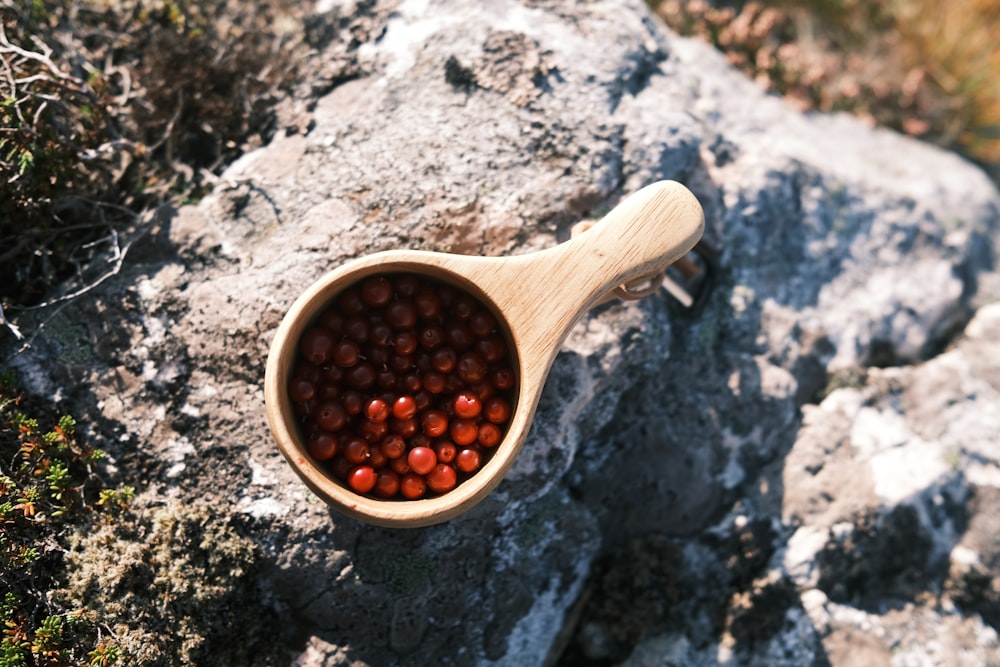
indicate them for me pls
(549, 291)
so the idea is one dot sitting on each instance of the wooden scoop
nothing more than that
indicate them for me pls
(537, 299)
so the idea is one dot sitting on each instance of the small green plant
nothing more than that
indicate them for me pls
(48, 487)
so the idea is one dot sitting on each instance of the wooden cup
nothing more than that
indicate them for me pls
(536, 298)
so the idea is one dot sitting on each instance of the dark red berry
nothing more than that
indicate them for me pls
(357, 328)
(428, 304)
(405, 343)
(301, 390)
(356, 450)
(413, 486)
(352, 402)
(444, 359)
(433, 382)
(434, 423)
(316, 345)
(386, 484)
(346, 353)
(322, 446)
(407, 286)
(432, 337)
(502, 378)
(393, 446)
(376, 291)
(471, 368)
(489, 435)
(361, 376)
(445, 451)
(482, 323)
(401, 314)
(330, 416)
(496, 410)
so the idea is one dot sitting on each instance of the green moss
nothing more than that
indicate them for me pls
(176, 586)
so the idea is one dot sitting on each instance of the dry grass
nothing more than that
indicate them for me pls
(927, 68)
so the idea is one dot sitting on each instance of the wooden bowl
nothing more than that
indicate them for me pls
(536, 298)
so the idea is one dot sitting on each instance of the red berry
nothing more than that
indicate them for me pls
(467, 460)
(350, 302)
(428, 303)
(442, 478)
(464, 431)
(357, 328)
(412, 486)
(373, 431)
(330, 416)
(401, 314)
(405, 343)
(463, 306)
(471, 368)
(434, 423)
(459, 335)
(377, 410)
(386, 484)
(346, 353)
(445, 451)
(502, 378)
(431, 337)
(422, 460)
(393, 446)
(407, 286)
(356, 450)
(444, 359)
(316, 345)
(301, 390)
(322, 446)
(433, 382)
(376, 458)
(341, 467)
(362, 479)
(352, 402)
(404, 407)
(361, 376)
(492, 348)
(482, 323)
(376, 291)
(496, 410)
(404, 427)
(399, 466)
(489, 435)
(467, 405)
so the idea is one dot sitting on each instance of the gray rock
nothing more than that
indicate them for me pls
(694, 490)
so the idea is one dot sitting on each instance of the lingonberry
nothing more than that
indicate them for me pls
(346, 353)
(301, 390)
(393, 446)
(322, 446)
(405, 343)
(376, 291)
(356, 450)
(386, 484)
(401, 314)
(362, 479)
(377, 410)
(496, 410)
(413, 486)
(404, 407)
(422, 460)
(467, 460)
(445, 451)
(489, 435)
(467, 405)
(482, 323)
(434, 423)
(316, 345)
(463, 431)
(330, 416)
(402, 385)
(442, 478)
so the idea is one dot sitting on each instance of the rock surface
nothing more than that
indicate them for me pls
(807, 473)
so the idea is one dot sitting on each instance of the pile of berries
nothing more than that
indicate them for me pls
(403, 386)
